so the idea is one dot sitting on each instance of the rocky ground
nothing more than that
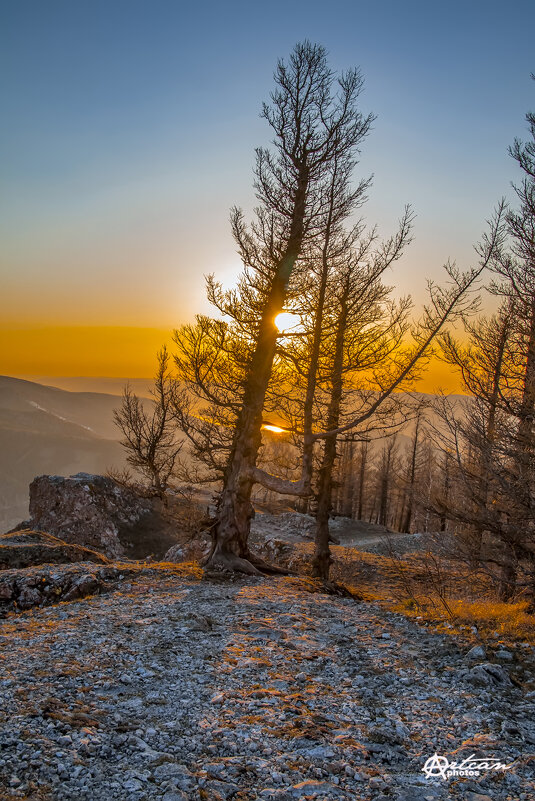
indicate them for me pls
(173, 688)
(280, 531)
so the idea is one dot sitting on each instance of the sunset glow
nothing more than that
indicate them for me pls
(274, 429)
(115, 351)
(115, 211)
(286, 320)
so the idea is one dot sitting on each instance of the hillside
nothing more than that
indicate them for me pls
(49, 430)
(107, 385)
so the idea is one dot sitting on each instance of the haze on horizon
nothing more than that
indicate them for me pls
(131, 132)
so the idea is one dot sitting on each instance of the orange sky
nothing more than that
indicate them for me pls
(118, 351)
(119, 170)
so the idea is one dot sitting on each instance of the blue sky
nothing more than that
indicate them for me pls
(129, 131)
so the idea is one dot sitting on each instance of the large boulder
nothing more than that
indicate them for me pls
(26, 548)
(93, 511)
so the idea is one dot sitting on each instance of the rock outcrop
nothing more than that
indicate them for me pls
(27, 548)
(96, 512)
(48, 584)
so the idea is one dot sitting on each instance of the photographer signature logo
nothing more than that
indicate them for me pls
(440, 766)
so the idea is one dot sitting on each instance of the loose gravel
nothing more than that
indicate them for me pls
(179, 689)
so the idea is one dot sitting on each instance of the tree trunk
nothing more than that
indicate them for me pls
(348, 484)
(231, 533)
(383, 502)
(308, 408)
(446, 490)
(406, 524)
(362, 475)
(489, 444)
(508, 575)
(322, 554)
(384, 484)
(525, 428)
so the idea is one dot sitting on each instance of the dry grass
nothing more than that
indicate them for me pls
(440, 592)
(494, 620)
(184, 569)
(190, 570)
(508, 619)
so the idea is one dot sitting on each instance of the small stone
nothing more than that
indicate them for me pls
(29, 596)
(179, 774)
(477, 652)
(217, 789)
(377, 783)
(144, 673)
(216, 770)
(319, 752)
(84, 585)
(489, 674)
(132, 785)
(312, 789)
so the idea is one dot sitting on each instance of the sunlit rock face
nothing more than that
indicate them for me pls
(88, 510)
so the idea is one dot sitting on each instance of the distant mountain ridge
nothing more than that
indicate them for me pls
(106, 385)
(46, 430)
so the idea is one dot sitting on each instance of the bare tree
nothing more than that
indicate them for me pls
(365, 330)
(369, 335)
(346, 478)
(485, 491)
(315, 127)
(493, 445)
(298, 240)
(150, 436)
(485, 369)
(410, 481)
(363, 460)
(517, 266)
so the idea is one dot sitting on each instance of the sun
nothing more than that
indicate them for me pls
(286, 320)
(275, 429)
